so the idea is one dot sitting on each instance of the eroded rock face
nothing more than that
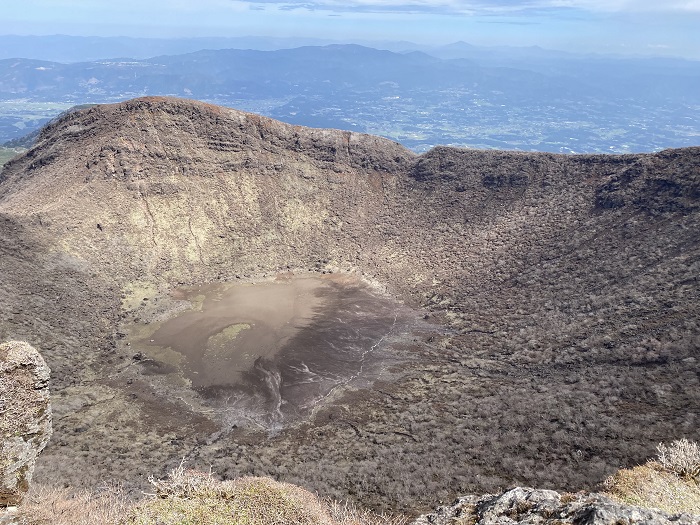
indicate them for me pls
(25, 417)
(547, 507)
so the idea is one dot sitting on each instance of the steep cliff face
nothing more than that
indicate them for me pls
(563, 291)
(197, 190)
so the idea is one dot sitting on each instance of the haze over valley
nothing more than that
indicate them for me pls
(527, 99)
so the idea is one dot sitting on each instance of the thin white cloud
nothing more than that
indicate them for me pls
(465, 7)
(632, 6)
(173, 8)
(483, 7)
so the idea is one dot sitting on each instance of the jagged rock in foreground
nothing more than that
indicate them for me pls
(25, 417)
(547, 507)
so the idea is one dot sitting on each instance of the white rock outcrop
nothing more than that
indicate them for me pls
(527, 506)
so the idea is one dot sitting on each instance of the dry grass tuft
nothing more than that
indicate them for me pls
(52, 506)
(192, 498)
(183, 483)
(653, 486)
(189, 497)
(347, 514)
(669, 484)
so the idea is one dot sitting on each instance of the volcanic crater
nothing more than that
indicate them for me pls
(330, 309)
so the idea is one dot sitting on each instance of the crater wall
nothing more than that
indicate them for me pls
(563, 292)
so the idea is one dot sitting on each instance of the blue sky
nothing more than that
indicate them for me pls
(663, 27)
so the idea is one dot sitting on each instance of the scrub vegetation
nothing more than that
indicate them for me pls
(189, 497)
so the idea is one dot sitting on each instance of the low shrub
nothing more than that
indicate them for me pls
(190, 497)
(682, 457)
(348, 514)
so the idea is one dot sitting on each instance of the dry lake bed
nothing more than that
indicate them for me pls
(269, 352)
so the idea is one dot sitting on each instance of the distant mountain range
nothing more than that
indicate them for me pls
(67, 49)
(508, 98)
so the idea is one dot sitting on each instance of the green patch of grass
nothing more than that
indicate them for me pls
(8, 153)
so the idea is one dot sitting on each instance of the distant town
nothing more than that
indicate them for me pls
(529, 101)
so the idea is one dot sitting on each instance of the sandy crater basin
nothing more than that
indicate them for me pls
(271, 351)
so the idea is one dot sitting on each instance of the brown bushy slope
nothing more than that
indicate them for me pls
(569, 285)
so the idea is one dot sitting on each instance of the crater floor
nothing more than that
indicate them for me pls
(266, 353)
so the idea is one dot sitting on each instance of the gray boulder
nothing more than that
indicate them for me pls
(25, 417)
(526, 506)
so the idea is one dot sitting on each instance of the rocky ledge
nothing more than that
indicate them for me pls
(547, 507)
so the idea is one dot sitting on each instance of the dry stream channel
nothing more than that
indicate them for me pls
(267, 353)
